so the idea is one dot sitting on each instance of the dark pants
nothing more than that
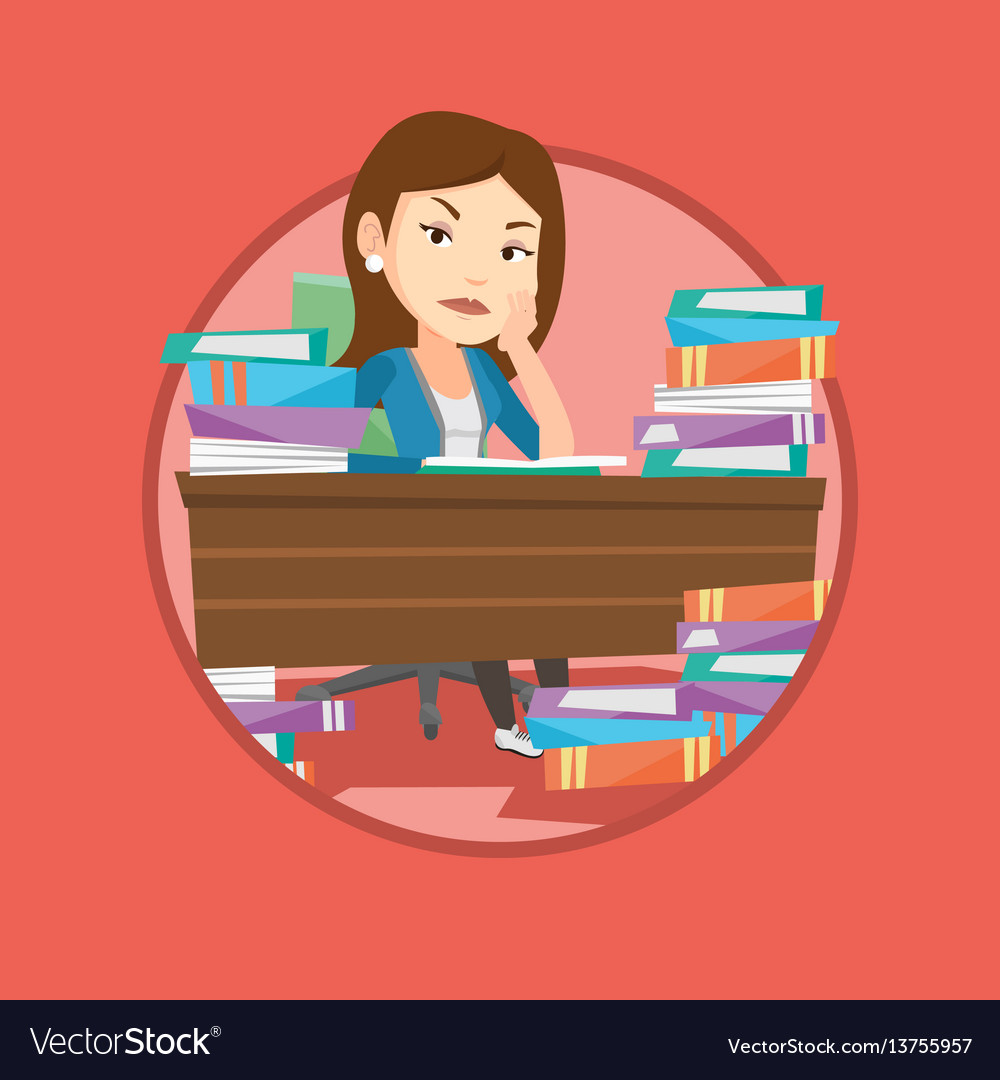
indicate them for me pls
(493, 677)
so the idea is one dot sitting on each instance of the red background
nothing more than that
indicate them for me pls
(853, 855)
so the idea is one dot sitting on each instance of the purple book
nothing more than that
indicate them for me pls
(731, 697)
(273, 717)
(302, 424)
(726, 637)
(648, 701)
(676, 431)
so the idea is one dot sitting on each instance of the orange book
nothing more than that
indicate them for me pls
(751, 361)
(667, 761)
(792, 600)
(304, 769)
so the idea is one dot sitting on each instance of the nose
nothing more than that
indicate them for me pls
(474, 281)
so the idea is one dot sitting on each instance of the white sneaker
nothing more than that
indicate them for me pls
(517, 740)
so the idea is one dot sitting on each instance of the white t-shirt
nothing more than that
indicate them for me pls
(463, 425)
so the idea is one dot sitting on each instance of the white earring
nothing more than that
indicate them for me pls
(373, 264)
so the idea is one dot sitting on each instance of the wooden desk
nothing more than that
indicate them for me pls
(330, 569)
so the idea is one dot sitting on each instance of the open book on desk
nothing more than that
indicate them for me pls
(576, 465)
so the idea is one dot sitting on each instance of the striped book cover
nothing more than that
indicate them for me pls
(301, 346)
(721, 331)
(777, 666)
(231, 382)
(343, 427)
(732, 728)
(305, 770)
(692, 432)
(325, 300)
(741, 603)
(243, 683)
(752, 361)
(260, 717)
(728, 461)
(749, 302)
(227, 457)
(765, 397)
(752, 636)
(671, 761)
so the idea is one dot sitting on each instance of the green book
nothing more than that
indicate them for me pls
(778, 666)
(728, 461)
(325, 300)
(753, 302)
(377, 438)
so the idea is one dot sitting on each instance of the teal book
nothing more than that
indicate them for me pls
(325, 300)
(728, 461)
(280, 744)
(741, 667)
(301, 346)
(764, 302)
(705, 331)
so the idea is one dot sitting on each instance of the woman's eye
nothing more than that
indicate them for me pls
(514, 254)
(438, 237)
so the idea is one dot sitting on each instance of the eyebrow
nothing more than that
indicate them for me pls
(519, 224)
(451, 209)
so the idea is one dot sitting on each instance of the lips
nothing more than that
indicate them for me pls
(464, 306)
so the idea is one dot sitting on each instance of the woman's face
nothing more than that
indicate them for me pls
(453, 256)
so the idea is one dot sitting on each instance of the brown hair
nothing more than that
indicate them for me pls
(428, 152)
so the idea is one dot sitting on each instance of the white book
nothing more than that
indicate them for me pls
(258, 470)
(248, 448)
(244, 683)
(758, 663)
(577, 461)
(642, 699)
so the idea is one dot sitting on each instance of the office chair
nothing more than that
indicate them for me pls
(378, 440)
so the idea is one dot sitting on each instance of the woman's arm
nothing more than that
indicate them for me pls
(555, 438)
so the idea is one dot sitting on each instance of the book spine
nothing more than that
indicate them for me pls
(679, 431)
(261, 718)
(782, 600)
(749, 636)
(300, 346)
(769, 666)
(776, 302)
(664, 463)
(335, 427)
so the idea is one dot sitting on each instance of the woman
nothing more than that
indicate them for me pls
(454, 240)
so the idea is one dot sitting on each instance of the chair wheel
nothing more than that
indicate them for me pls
(525, 696)
(430, 719)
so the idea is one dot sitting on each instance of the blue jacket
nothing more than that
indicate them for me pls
(414, 417)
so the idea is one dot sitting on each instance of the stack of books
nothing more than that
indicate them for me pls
(265, 402)
(748, 632)
(612, 736)
(276, 724)
(738, 390)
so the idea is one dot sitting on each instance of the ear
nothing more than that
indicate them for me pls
(371, 238)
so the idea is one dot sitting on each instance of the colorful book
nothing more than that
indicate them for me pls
(243, 683)
(751, 361)
(741, 603)
(575, 465)
(753, 636)
(643, 701)
(749, 302)
(728, 461)
(279, 744)
(325, 300)
(719, 331)
(732, 728)
(377, 439)
(344, 427)
(225, 457)
(300, 346)
(305, 770)
(776, 666)
(766, 397)
(564, 716)
(670, 761)
(734, 697)
(682, 432)
(270, 717)
(229, 382)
